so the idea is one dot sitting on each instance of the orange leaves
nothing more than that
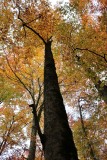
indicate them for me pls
(87, 20)
(103, 2)
(22, 68)
(25, 54)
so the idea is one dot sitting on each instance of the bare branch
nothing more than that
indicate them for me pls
(85, 49)
(25, 24)
(35, 32)
(39, 94)
(39, 16)
(40, 111)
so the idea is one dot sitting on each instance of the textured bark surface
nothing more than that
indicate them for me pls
(59, 144)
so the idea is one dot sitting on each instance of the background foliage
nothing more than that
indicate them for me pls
(79, 33)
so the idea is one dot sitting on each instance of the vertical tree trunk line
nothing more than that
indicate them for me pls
(59, 143)
(34, 130)
(91, 151)
(32, 147)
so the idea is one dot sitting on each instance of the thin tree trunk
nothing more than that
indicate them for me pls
(34, 130)
(32, 147)
(92, 153)
(59, 143)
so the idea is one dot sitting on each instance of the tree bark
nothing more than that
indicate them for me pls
(59, 143)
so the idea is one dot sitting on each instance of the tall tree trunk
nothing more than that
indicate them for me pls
(57, 140)
(59, 144)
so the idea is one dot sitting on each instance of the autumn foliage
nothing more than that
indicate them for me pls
(78, 30)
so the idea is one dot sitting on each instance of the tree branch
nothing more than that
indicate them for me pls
(6, 136)
(85, 49)
(39, 94)
(26, 25)
(37, 124)
(18, 77)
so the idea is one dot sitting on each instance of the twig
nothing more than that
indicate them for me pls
(85, 49)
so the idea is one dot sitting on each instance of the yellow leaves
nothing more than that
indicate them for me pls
(12, 123)
(8, 113)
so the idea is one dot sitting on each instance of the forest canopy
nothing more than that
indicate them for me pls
(77, 31)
